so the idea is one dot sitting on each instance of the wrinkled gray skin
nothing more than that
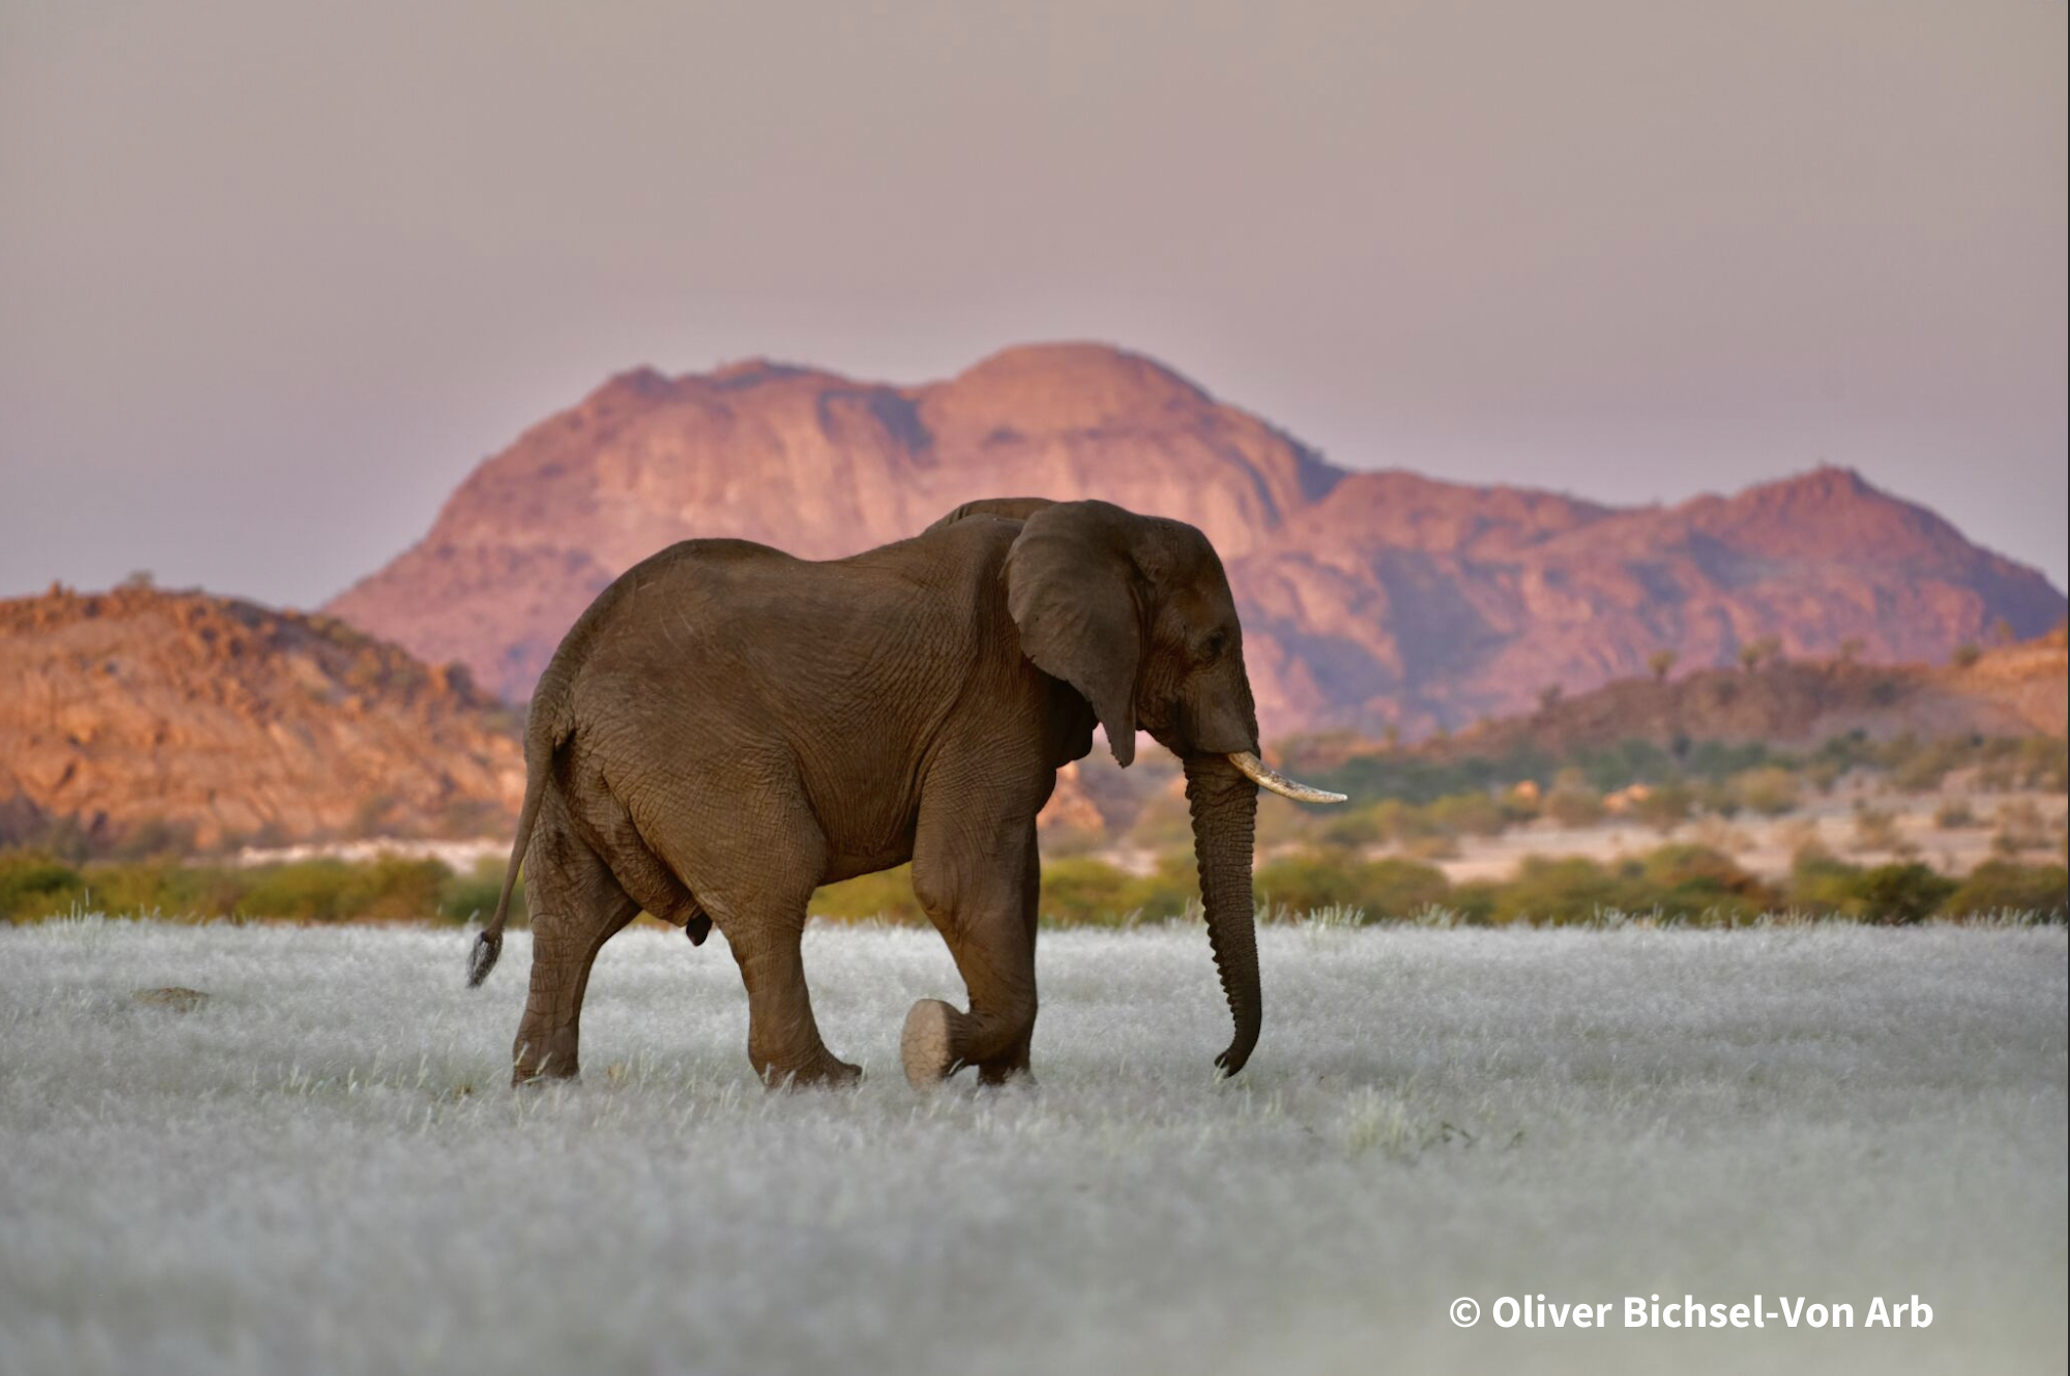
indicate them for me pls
(727, 728)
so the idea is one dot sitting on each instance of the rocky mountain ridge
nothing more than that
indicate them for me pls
(1369, 598)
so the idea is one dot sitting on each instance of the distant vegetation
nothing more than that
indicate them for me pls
(1677, 882)
(36, 884)
(1378, 858)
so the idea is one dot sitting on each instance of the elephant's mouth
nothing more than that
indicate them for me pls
(1264, 776)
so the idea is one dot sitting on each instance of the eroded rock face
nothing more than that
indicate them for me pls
(206, 714)
(1368, 598)
(2009, 690)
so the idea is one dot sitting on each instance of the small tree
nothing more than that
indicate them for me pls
(1572, 802)
(1965, 655)
(1755, 653)
(1664, 808)
(1660, 663)
(1851, 649)
(1549, 696)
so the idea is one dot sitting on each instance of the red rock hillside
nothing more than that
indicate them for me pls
(138, 709)
(2007, 690)
(1368, 598)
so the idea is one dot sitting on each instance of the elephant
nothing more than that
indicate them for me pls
(728, 727)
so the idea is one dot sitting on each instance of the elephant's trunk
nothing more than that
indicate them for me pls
(1224, 803)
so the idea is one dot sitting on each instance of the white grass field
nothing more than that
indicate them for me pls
(321, 1170)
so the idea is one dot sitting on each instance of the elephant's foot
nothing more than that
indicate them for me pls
(825, 1071)
(1010, 1067)
(1015, 1074)
(928, 1046)
(553, 1063)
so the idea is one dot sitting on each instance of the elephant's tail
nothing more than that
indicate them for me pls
(539, 763)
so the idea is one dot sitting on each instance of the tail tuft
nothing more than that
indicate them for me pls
(482, 958)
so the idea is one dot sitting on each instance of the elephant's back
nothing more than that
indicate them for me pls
(693, 567)
(742, 627)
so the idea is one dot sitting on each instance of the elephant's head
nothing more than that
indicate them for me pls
(1136, 614)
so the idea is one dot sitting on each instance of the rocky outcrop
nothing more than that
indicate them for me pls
(2009, 690)
(1369, 598)
(190, 715)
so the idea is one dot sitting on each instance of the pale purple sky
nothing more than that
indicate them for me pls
(273, 277)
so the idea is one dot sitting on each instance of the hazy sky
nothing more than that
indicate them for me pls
(274, 276)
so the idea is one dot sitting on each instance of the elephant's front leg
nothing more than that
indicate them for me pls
(984, 904)
(1013, 1063)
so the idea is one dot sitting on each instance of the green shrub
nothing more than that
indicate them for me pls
(1394, 887)
(394, 888)
(166, 889)
(1401, 821)
(1664, 808)
(1822, 884)
(389, 888)
(471, 897)
(1570, 800)
(1770, 791)
(36, 884)
(1568, 888)
(1474, 902)
(1169, 891)
(1300, 885)
(1579, 806)
(308, 889)
(1624, 764)
(1719, 760)
(1466, 814)
(887, 895)
(1355, 827)
(1902, 893)
(1999, 886)
(1085, 891)
(1689, 881)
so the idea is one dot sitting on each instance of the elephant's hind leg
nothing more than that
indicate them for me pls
(783, 1037)
(576, 906)
(753, 871)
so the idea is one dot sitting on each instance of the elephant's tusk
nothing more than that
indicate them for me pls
(1263, 775)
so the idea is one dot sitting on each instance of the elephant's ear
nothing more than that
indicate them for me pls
(1071, 589)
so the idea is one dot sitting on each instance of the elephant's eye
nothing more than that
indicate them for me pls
(1211, 649)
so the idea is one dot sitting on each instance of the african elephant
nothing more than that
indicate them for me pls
(727, 727)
